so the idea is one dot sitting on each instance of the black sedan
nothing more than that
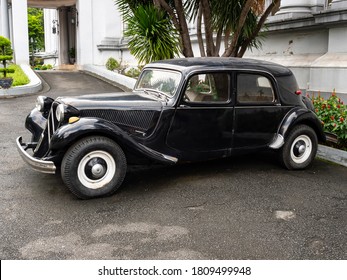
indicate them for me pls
(181, 110)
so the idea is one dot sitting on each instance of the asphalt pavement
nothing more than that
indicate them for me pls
(245, 207)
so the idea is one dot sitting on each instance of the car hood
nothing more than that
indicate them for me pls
(116, 100)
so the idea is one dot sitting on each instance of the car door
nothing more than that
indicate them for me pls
(258, 112)
(202, 124)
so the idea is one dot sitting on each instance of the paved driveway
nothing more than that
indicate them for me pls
(239, 208)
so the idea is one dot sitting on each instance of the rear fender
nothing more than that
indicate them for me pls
(294, 117)
(66, 135)
(302, 116)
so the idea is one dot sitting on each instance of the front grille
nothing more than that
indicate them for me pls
(138, 119)
(45, 139)
(52, 123)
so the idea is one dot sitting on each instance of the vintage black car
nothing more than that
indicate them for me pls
(181, 110)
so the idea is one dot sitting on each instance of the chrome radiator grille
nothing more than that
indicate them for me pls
(45, 139)
(52, 123)
(133, 118)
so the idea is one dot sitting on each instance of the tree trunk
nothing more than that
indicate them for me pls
(206, 11)
(180, 24)
(199, 33)
(218, 42)
(260, 24)
(232, 49)
(187, 44)
(227, 37)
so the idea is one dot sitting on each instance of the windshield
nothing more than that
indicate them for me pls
(162, 81)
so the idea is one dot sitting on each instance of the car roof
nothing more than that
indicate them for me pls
(196, 63)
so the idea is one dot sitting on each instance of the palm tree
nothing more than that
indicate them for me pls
(238, 22)
(152, 36)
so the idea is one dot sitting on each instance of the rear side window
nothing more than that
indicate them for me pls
(254, 88)
(208, 88)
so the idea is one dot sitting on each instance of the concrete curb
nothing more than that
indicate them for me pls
(34, 86)
(333, 155)
(124, 82)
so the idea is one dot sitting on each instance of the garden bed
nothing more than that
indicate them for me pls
(333, 114)
(19, 76)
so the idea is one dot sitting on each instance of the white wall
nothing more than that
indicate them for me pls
(85, 34)
(107, 25)
(20, 41)
(317, 54)
(338, 40)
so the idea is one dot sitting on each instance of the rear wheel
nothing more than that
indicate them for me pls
(300, 148)
(93, 167)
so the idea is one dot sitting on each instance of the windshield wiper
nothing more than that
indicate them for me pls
(156, 93)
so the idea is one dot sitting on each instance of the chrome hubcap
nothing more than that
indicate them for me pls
(96, 169)
(301, 149)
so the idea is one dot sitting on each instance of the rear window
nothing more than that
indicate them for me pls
(254, 88)
(287, 83)
(287, 86)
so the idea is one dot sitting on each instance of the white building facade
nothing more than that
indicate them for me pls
(309, 36)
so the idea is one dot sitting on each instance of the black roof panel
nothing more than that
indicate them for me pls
(195, 63)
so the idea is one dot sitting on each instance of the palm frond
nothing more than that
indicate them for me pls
(152, 36)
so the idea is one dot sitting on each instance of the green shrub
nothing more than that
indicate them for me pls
(19, 77)
(5, 55)
(333, 115)
(42, 67)
(112, 64)
(132, 72)
(38, 61)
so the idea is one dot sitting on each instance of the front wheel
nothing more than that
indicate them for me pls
(93, 167)
(300, 148)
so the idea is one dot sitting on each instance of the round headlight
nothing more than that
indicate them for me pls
(59, 113)
(40, 103)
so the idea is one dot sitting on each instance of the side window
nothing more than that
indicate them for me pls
(208, 88)
(254, 88)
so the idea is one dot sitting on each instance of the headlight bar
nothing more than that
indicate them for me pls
(43, 103)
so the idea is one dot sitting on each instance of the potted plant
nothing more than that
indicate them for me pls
(72, 55)
(5, 57)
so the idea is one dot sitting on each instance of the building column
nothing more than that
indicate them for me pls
(4, 24)
(295, 7)
(63, 37)
(51, 22)
(85, 54)
(318, 5)
(339, 4)
(20, 41)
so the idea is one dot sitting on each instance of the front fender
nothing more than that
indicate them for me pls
(301, 116)
(66, 135)
(35, 122)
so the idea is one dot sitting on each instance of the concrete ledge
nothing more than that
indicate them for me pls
(333, 155)
(124, 82)
(35, 85)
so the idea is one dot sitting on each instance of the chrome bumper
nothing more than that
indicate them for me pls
(38, 165)
(331, 137)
